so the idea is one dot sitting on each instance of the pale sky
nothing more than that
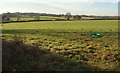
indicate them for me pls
(89, 7)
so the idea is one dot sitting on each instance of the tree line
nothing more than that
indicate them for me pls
(6, 17)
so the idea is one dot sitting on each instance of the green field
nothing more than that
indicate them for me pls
(87, 26)
(72, 39)
(32, 18)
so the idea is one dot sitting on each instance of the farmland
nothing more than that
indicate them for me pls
(42, 18)
(72, 40)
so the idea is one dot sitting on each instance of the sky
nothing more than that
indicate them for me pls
(81, 7)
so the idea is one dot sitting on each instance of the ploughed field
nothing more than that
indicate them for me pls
(72, 39)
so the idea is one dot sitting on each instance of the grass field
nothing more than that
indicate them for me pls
(41, 18)
(73, 40)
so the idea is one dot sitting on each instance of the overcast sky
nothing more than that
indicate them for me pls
(90, 7)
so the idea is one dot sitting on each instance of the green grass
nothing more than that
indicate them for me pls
(41, 18)
(23, 18)
(50, 18)
(72, 39)
(81, 26)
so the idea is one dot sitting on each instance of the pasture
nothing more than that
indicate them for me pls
(40, 18)
(72, 39)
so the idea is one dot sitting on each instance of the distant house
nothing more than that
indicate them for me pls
(76, 17)
(106, 17)
(86, 18)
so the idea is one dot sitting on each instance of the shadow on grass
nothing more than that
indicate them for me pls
(18, 56)
(55, 32)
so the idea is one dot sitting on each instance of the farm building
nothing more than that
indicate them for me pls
(87, 18)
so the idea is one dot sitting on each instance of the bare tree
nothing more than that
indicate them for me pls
(77, 17)
(68, 15)
(37, 17)
(6, 17)
(18, 16)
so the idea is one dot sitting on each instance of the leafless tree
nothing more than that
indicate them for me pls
(68, 15)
